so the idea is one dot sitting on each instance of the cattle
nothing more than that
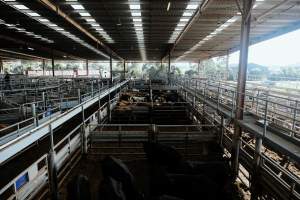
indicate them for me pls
(110, 189)
(79, 188)
(165, 160)
(115, 169)
(162, 154)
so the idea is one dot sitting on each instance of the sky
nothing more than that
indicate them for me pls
(280, 51)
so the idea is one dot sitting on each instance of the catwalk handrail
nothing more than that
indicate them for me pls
(263, 107)
(14, 146)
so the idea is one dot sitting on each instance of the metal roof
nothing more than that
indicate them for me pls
(118, 36)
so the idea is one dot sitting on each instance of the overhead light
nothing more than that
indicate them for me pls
(84, 14)
(184, 19)
(137, 19)
(33, 14)
(77, 6)
(192, 7)
(134, 6)
(169, 5)
(90, 20)
(136, 14)
(187, 14)
(95, 25)
(32, 49)
(21, 7)
(181, 24)
(43, 20)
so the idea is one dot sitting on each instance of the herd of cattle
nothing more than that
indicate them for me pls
(170, 177)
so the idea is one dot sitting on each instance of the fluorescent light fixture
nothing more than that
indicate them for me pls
(169, 5)
(187, 14)
(134, 7)
(90, 20)
(136, 14)
(43, 20)
(95, 25)
(137, 22)
(181, 24)
(84, 14)
(21, 7)
(33, 14)
(184, 19)
(77, 6)
(137, 19)
(192, 6)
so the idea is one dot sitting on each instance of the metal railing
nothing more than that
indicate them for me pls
(272, 110)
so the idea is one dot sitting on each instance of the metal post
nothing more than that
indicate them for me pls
(83, 134)
(52, 168)
(44, 101)
(108, 109)
(222, 129)
(169, 69)
(99, 101)
(43, 66)
(124, 69)
(92, 88)
(110, 70)
(265, 115)
(255, 178)
(34, 115)
(52, 61)
(87, 67)
(1, 65)
(227, 66)
(244, 45)
(294, 116)
(79, 96)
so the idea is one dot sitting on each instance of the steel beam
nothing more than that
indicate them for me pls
(36, 46)
(193, 20)
(56, 9)
(239, 112)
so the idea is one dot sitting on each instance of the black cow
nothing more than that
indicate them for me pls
(162, 154)
(79, 188)
(110, 189)
(117, 170)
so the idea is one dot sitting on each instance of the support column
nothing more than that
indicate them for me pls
(53, 72)
(43, 66)
(87, 67)
(227, 66)
(169, 69)
(110, 70)
(34, 115)
(108, 109)
(124, 69)
(1, 66)
(52, 169)
(244, 45)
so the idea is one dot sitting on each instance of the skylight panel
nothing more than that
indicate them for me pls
(192, 6)
(138, 26)
(33, 14)
(77, 6)
(186, 16)
(21, 7)
(136, 14)
(84, 14)
(134, 6)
